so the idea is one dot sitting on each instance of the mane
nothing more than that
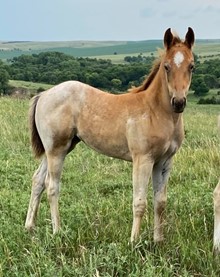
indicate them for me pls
(149, 79)
(176, 38)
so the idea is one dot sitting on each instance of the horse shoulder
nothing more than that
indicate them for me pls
(155, 136)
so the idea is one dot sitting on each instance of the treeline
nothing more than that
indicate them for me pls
(56, 67)
(206, 76)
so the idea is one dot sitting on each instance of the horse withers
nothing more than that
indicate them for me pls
(143, 126)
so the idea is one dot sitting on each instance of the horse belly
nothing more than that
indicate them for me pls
(108, 144)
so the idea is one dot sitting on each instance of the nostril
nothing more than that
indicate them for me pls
(178, 104)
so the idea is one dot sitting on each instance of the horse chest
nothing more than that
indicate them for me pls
(172, 147)
(157, 141)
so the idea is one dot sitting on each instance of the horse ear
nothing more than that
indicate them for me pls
(168, 38)
(190, 38)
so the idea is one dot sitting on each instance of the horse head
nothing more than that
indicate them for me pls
(178, 64)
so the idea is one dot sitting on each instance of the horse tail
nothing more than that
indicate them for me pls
(36, 142)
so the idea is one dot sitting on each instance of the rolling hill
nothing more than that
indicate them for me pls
(115, 50)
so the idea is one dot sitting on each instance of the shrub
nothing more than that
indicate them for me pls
(40, 89)
(212, 100)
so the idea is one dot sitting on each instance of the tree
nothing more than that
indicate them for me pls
(211, 81)
(116, 84)
(199, 86)
(4, 80)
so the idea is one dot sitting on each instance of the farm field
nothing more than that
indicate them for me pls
(114, 50)
(79, 48)
(96, 208)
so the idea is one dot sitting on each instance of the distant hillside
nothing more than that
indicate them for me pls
(9, 50)
(100, 49)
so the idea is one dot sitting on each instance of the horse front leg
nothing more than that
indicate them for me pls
(142, 168)
(216, 200)
(160, 178)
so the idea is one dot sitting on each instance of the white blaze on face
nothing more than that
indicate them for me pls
(178, 58)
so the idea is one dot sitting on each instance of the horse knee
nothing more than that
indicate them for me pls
(38, 179)
(52, 191)
(139, 207)
(38, 183)
(160, 203)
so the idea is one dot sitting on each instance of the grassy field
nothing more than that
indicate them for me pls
(114, 50)
(28, 85)
(96, 211)
(102, 49)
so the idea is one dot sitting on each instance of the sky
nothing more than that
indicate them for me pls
(68, 20)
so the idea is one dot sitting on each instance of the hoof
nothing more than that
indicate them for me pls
(158, 239)
(216, 250)
(29, 228)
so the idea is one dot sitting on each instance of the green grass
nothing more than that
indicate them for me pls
(96, 211)
(28, 85)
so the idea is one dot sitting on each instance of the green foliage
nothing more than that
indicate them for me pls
(198, 85)
(116, 84)
(40, 89)
(4, 78)
(55, 67)
(212, 100)
(206, 76)
(96, 208)
(211, 81)
(139, 59)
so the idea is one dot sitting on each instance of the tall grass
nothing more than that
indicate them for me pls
(96, 211)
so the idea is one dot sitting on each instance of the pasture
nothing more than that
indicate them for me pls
(96, 208)
(113, 50)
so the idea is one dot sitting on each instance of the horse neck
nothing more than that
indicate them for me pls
(160, 99)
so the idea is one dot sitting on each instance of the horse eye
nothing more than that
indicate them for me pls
(191, 67)
(167, 67)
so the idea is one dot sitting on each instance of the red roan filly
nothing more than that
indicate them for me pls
(143, 126)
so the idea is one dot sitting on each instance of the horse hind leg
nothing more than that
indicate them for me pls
(216, 198)
(38, 186)
(55, 166)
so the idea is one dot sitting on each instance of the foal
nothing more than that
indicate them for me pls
(144, 126)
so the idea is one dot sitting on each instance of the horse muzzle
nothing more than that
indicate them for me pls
(178, 105)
